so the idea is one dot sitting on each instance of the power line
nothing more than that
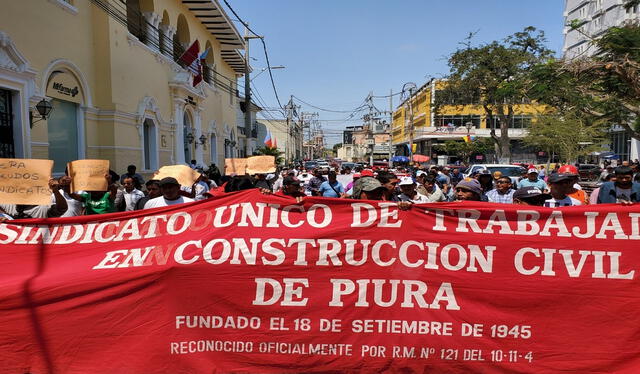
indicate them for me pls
(326, 110)
(386, 96)
(264, 47)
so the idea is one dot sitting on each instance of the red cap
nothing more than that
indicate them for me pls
(367, 173)
(568, 169)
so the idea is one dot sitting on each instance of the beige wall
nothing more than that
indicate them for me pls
(123, 81)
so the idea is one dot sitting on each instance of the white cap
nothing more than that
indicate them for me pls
(406, 181)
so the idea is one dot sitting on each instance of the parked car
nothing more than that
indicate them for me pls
(323, 166)
(350, 165)
(514, 172)
(589, 172)
(310, 165)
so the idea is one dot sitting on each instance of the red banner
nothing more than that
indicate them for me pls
(260, 284)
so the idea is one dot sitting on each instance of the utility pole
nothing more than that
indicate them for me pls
(390, 126)
(289, 109)
(371, 138)
(412, 86)
(247, 81)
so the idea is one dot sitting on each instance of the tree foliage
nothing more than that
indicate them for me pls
(604, 87)
(495, 76)
(569, 136)
(465, 150)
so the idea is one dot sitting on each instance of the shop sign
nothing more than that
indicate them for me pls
(64, 86)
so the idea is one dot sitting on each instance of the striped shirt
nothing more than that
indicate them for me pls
(496, 197)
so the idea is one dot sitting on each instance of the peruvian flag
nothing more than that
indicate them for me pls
(191, 59)
(269, 141)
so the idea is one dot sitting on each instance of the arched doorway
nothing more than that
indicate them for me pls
(65, 124)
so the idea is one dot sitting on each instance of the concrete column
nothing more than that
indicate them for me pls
(151, 29)
(634, 150)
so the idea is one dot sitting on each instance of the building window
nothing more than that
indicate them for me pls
(149, 145)
(597, 22)
(518, 121)
(7, 147)
(452, 99)
(582, 13)
(135, 20)
(457, 121)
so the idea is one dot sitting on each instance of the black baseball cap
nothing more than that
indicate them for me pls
(530, 192)
(559, 177)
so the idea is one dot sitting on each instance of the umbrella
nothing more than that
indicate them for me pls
(400, 159)
(421, 158)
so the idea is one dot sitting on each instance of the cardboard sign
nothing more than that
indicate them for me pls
(184, 174)
(88, 175)
(261, 165)
(237, 166)
(25, 181)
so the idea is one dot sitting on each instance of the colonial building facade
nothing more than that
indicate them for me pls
(111, 71)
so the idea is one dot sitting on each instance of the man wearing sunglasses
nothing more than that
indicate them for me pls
(503, 193)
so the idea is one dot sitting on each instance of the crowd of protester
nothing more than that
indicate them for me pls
(406, 186)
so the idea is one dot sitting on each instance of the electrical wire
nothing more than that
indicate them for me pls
(264, 47)
(326, 110)
(386, 96)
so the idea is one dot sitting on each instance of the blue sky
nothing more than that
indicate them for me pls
(336, 51)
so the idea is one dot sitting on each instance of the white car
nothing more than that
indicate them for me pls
(514, 172)
(323, 166)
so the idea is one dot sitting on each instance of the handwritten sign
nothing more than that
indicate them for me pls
(184, 174)
(261, 165)
(88, 175)
(237, 166)
(25, 181)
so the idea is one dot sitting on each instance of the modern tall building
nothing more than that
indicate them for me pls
(112, 72)
(595, 17)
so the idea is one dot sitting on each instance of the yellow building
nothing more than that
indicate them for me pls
(109, 69)
(452, 122)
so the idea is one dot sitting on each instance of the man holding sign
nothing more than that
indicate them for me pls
(98, 202)
(25, 189)
(19, 211)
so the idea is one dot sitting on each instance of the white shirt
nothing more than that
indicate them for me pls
(131, 198)
(74, 207)
(418, 199)
(567, 201)
(161, 201)
(201, 188)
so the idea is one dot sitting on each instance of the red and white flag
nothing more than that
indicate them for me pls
(191, 59)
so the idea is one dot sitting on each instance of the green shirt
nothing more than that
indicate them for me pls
(100, 206)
